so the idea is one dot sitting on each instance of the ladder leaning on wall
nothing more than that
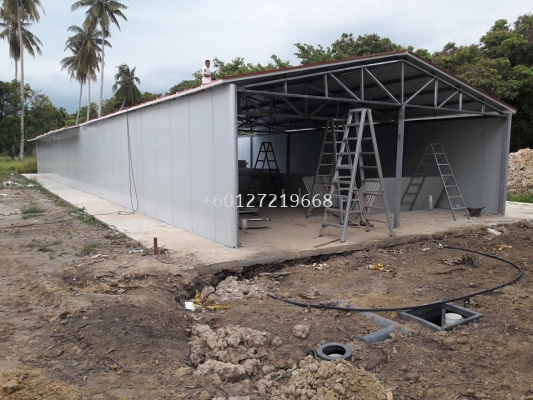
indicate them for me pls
(435, 152)
(326, 165)
(265, 157)
(350, 158)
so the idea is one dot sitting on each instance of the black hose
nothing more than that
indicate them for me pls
(436, 303)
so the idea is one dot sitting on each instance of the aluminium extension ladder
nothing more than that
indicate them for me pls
(351, 157)
(435, 152)
(326, 165)
(265, 156)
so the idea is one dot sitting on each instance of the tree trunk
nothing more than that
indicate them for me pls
(79, 104)
(21, 43)
(102, 63)
(16, 70)
(88, 100)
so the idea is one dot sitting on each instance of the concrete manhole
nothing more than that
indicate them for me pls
(441, 317)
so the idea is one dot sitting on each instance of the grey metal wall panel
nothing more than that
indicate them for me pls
(202, 164)
(244, 148)
(114, 172)
(304, 152)
(225, 164)
(182, 152)
(181, 163)
(163, 158)
(126, 185)
(149, 167)
(473, 150)
(279, 144)
(135, 135)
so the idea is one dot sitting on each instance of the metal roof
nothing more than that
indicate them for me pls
(302, 97)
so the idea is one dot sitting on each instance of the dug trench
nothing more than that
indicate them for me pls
(84, 315)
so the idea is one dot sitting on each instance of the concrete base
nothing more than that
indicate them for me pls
(289, 234)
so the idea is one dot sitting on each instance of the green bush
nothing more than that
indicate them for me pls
(27, 166)
(520, 197)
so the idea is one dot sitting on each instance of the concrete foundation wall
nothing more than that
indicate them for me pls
(183, 152)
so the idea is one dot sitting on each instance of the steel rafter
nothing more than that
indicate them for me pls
(291, 97)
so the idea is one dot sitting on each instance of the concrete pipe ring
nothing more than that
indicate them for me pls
(334, 351)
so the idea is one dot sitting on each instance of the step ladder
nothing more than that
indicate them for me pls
(265, 157)
(350, 158)
(326, 165)
(435, 154)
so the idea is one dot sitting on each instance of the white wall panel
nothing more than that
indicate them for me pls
(225, 164)
(181, 163)
(134, 123)
(473, 148)
(279, 144)
(182, 152)
(202, 164)
(149, 167)
(244, 148)
(163, 159)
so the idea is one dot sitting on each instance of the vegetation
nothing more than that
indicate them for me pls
(88, 248)
(83, 63)
(32, 209)
(125, 87)
(102, 13)
(82, 215)
(20, 12)
(41, 117)
(26, 166)
(522, 198)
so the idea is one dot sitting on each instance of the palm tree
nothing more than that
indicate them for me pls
(71, 64)
(9, 26)
(125, 87)
(103, 13)
(25, 11)
(83, 64)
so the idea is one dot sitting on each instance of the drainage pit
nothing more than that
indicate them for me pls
(334, 351)
(434, 316)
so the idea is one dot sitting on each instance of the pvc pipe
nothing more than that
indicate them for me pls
(387, 325)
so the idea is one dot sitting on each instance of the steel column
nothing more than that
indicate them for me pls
(502, 198)
(399, 167)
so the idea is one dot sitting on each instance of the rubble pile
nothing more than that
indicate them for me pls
(232, 351)
(244, 359)
(520, 172)
(232, 289)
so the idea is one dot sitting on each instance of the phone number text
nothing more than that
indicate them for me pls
(269, 200)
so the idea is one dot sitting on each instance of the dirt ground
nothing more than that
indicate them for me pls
(85, 315)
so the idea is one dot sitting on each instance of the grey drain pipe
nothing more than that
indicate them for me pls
(387, 326)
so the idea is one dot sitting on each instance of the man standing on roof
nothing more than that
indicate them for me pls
(206, 73)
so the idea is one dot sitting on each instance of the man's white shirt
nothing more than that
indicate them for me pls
(206, 79)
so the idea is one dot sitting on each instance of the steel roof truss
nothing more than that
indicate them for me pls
(381, 86)
(342, 85)
(419, 90)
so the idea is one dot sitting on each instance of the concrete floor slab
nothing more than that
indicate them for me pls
(289, 235)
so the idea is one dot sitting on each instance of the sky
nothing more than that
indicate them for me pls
(167, 40)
